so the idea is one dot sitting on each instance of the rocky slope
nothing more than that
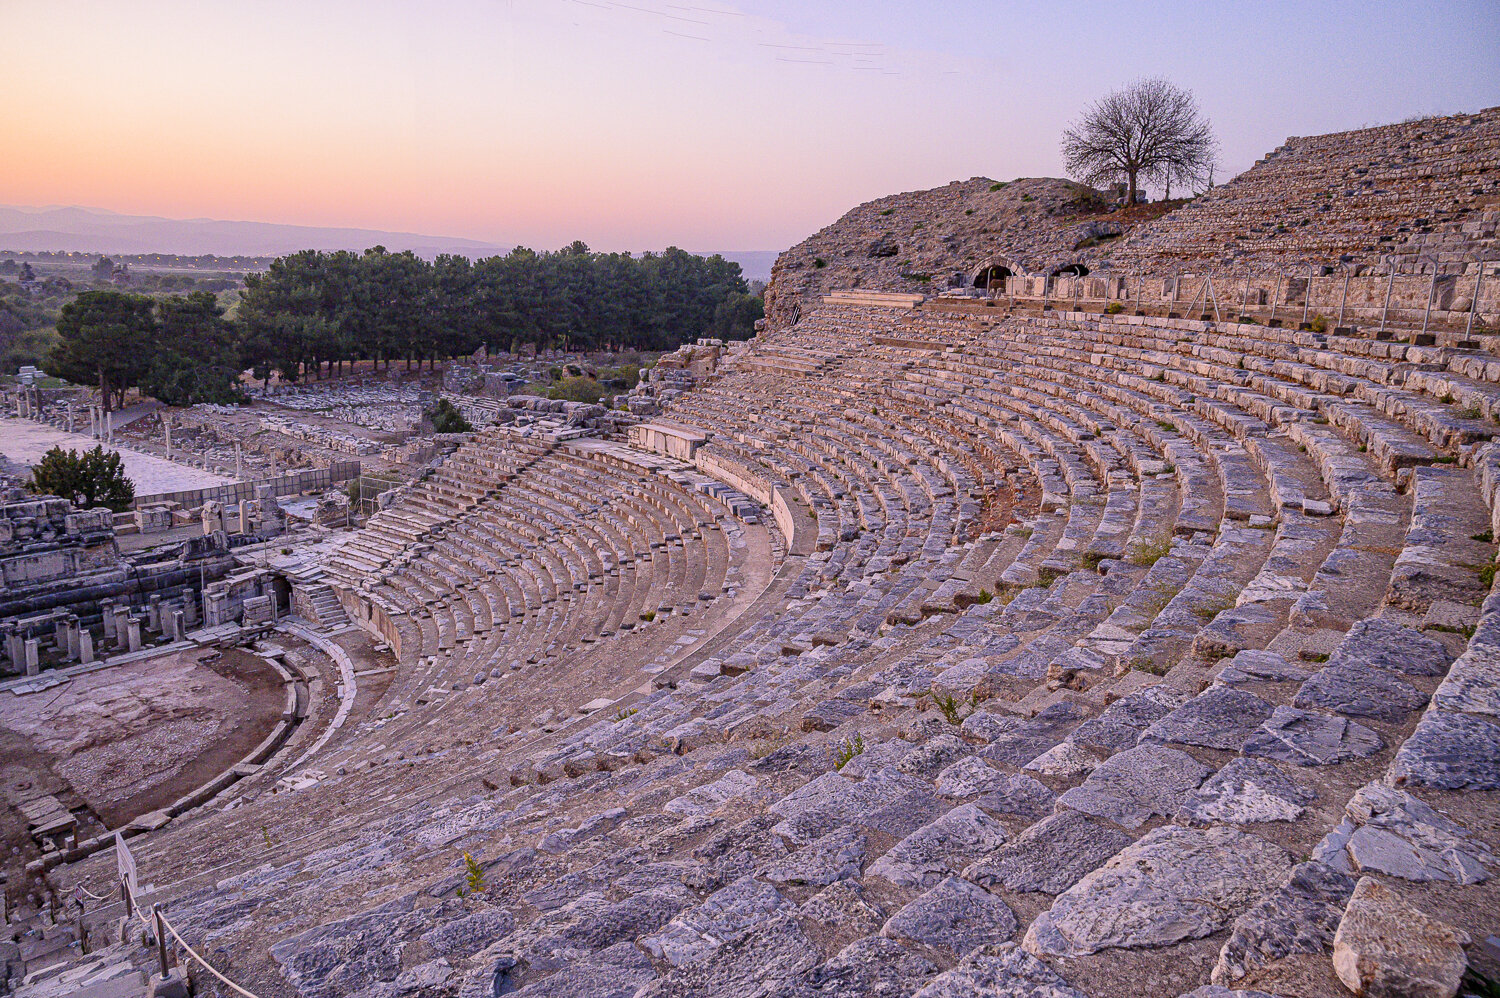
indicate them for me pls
(924, 241)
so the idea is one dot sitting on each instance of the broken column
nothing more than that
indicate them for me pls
(179, 632)
(33, 656)
(133, 633)
(85, 646)
(122, 627)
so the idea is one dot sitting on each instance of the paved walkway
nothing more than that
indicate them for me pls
(24, 442)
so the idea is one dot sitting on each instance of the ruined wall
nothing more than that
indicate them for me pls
(928, 241)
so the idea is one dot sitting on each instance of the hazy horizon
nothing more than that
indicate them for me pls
(652, 123)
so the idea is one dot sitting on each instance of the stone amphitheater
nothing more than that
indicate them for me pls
(1092, 637)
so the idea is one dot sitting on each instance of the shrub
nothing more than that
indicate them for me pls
(446, 418)
(623, 713)
(1149, 665)
(1319, 324)
(1151, 552)
(820, 263)
(984, 596)
(998, 186)
(473, 877)
(578, 388)
(948, 705)
(649, 616)
(888, 211)
(1487, 537)
(850, 748)
(1113, 308)
(92, 478)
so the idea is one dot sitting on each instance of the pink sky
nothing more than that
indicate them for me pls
(703, 123)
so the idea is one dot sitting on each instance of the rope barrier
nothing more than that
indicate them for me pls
(162, 922)
(194, 954)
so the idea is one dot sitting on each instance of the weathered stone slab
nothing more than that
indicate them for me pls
(843, 905)
(1300, 917)
(1021, 795)
(1452, 751)
(999, 972)
(1255, 666)
(940, 848)
(1361, 691)
(1065, 760)
(1174, 884)
(773, 957)
(934, 755)
(869, 966)
(1137, 784)
(1380, 644)
(1311, 738)
(1385, 948)
(1245, 790)
(1390, 831)
(886, 800)
(1119, 727)
(617, 972)
(1034, 735)
(1220, 717)
(969, 777)
(1051, 855)
(728, 915)
(839, 855)
(954, 915)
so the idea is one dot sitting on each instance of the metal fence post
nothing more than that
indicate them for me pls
(1385, 309)
(161, 939)
(1431, 290)
(1307, 295)
(1343, 300)
(1275, 293)
(1474, 305)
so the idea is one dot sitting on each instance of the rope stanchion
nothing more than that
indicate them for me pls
(157, 922)
(201, 962)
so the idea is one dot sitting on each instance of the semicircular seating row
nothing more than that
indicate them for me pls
(1222, 533)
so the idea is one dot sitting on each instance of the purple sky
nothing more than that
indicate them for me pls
(636, 124)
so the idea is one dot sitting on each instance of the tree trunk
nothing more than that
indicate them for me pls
(1130, 198)
(104, 391)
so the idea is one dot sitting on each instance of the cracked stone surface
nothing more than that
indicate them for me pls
(1311, 738)
(1386, 948)
(940, 848)
(1051, 855)
(1174, 884)
(954, 915)
(1245, 790)
(1137, 784)
(1300, 916)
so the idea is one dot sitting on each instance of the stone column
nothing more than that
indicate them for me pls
(107, 607)
(122, 627)
(153, 614)
(33, 656)
(179, 632)
(190, 612)
(15, 650)
(215, 609)
(70, 416)
(69, 647)
(166, 423)
(85, 645)
(134, 633)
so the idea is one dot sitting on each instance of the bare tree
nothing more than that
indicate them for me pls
(1151, 129)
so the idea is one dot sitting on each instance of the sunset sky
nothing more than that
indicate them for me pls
(708, 124)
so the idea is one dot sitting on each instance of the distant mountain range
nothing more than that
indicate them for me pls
(93, 230)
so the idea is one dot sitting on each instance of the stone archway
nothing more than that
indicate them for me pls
(1070, 270)
(992, 275)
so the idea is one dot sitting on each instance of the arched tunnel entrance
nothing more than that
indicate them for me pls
(992, 276)
(1071, 270)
